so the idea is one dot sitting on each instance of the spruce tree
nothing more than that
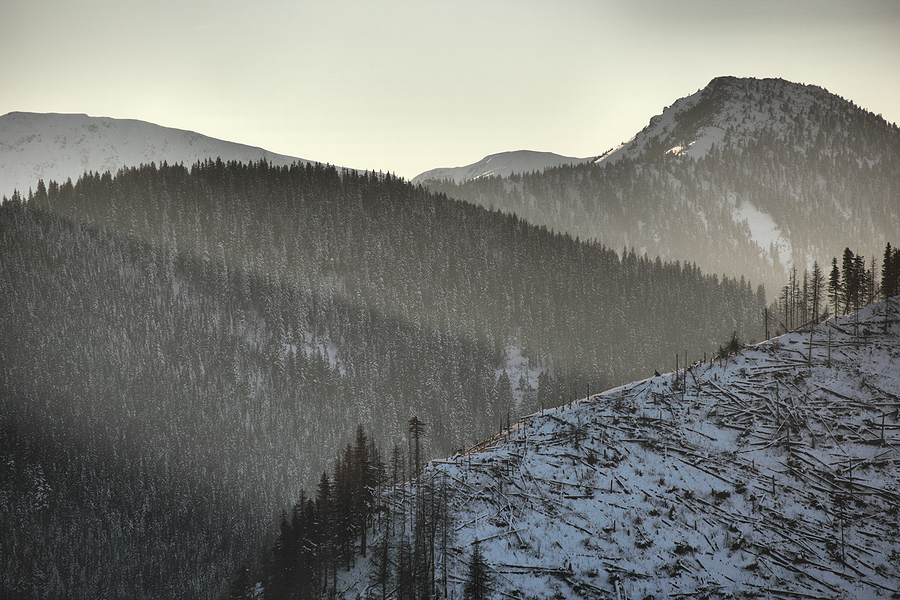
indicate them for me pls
(416, 428)
(817, 287)
(478, 579)
(834, 285)
(850, 280)
(895, 270)
(889, 274)
(364, 486)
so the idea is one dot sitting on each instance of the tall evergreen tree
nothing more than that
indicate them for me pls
(817, 289)
(850, 283)
(364, 484)
(834, 286)
(478, 578)
(890, 271)
(895, 272)
(871, 282)
(861, 279)
(416, 429)
(887, 272)
(326, 530)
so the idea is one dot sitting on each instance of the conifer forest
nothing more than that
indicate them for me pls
(184, 349)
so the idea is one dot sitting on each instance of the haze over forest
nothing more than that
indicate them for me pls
(194, 331)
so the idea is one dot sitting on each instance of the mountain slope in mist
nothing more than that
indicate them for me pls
(746, 176)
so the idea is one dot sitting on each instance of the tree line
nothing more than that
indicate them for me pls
(849, 285)
(327, 532)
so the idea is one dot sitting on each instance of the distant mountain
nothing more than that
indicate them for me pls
(736, 112)
(746, 176)
(770, 472)
(503, 164)
(57, 147)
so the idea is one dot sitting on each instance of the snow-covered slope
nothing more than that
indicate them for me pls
(734, 109)
(735, 112)
(503, 164)
(56, 147)
(770, 473)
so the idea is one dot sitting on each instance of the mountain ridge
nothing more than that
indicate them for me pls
(61, 146)
(501, 164)
(692, 125)
(746, 177)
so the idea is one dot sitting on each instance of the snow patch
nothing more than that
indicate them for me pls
(520, 370)
(707, 138)
(763, 230)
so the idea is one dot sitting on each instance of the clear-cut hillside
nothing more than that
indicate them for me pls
(58, 147)
(769, 473)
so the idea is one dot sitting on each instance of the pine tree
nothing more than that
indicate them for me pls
(817, 288)
(887, 272)
(478, 579)
(834, 285)
(344, 504)
(849, 280)
(871, 282)
(895, 269)
(416, 428)
(890, 273)
(327, 551)
(861, 276)
(364, 486)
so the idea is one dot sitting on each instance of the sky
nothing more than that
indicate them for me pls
(404, 86)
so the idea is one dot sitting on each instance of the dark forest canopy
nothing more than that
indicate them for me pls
(214, 332)
(404, 253)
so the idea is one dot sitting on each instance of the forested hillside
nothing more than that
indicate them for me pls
(182, 349)
(746, 177)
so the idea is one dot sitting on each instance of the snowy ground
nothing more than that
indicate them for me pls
(772, 473)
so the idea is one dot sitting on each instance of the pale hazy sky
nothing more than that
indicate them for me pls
(405, 86)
